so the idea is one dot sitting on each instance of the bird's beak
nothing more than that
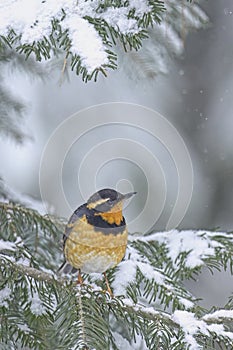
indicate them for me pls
(128, 195)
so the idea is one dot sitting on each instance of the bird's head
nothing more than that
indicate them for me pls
(108, 200)
(108, 204)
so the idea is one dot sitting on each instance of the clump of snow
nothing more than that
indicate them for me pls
(197, 244)
(128, 302)
(219, 330)
(126, 275)
(140, 7)
(24, 328)
(119, 20)
(5, 295)
(147, 310)
(149, 272)
(7, 245)
(126, 272)
(219, 314)
(37, 307)
(188, 304)
(85, 42)
(190, 326)
(35, 23)
(121, 342)
(21, 16)
(193, 326)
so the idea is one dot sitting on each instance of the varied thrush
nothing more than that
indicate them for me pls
(95, 237)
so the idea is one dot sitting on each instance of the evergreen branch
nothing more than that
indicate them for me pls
(138, 277)
(82, 320)
(187, 251)
(50, 278)
(32, 272)
(149, 313)
(104, 24)
(161, 320)
(43, 311)
(16, 209)
(12, 108)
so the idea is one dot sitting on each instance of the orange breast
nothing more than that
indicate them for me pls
(112, 217)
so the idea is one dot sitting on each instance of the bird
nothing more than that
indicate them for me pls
(95, 237)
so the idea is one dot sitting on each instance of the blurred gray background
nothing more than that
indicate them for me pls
(195, 96)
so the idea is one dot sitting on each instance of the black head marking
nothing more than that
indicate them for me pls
(104, 199)
(104, 194)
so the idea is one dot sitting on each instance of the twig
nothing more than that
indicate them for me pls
(37, 274)
(82, 318)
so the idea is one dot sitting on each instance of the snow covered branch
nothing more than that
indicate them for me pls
(36, 274)
(86, 31)
(150, 304)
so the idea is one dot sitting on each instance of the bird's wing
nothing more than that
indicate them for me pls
(77, 214)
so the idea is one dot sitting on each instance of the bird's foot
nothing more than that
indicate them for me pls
(109, 290)
(80, 280)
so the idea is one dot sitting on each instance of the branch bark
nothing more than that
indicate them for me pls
(37, 274)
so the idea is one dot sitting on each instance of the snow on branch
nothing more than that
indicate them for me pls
(7, 245)
(192, 327)
(196, 247)
(145, 284)
(36, 274)
(219, 316)
(85, 42)
(84, 29)
(166, 40)
(153, 281)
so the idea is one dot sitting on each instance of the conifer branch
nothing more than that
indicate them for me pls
(36, 274)
(86, 316)
(81, 319)
(67, 26)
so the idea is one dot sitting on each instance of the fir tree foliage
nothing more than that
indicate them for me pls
(87, 30)
(12, 107)
(150, 309)
(165, 41)
(39, 34)
(35, 30)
